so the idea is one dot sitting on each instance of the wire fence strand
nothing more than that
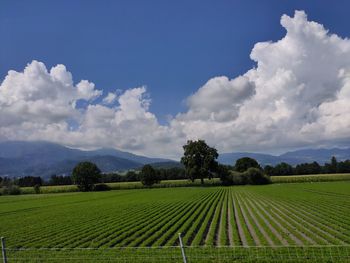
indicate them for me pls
(172, 254)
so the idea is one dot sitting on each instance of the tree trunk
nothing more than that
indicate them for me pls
(202, 181)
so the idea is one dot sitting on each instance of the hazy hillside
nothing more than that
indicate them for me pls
(40, 158)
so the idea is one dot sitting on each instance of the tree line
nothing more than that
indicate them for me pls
(199, 161)
(332, 167)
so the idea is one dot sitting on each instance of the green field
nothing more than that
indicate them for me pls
(272, 223)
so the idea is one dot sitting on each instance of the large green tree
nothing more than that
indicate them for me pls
(199, 160)
(148, 175)
(243, 164)
(85, 175)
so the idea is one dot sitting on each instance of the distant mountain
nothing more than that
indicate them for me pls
(294, 157)
(39, 158)
(127, 155)
(319, 155)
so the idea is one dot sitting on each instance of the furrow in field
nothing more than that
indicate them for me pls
(157, 232)
(205, 221)
(322, 225)
(138, 236)
(124, 231)
(288, 236)
(229, 220)
(76, 231)
(268, 223)
(196, 220)
(212, 235)
(329, 206)
(223, 237)
(184, 224)
(305, 234)
(117, 226)
(289, 223)
(338, 222)
(307, 227)
(248, 222)
(264, 237)
(245, 238)
(139, 230)
(330, 233)
(53, 233)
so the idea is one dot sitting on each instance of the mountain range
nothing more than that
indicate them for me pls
(293, 158)
(40, 158)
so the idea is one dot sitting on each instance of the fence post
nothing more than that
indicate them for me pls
(182, 249)
(3, 249)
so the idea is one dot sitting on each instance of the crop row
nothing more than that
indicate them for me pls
(293, 215)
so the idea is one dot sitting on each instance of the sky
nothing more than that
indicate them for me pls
(146, 76)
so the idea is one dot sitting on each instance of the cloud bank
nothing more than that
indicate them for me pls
(297, 95)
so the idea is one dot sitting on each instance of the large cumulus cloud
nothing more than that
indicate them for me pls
(297, 95)
(38, 104)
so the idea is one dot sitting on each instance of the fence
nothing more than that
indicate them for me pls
(187, 254)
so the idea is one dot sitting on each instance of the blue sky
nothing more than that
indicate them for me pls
(262, 76)
(172, 47)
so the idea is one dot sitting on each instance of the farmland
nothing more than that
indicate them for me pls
(274, 220)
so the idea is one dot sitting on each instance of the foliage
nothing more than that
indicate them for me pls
(252, 176)
(308, 168)
(343, 167)
(280, 169)
(243, 164)
(256, 176)
(148, 175)
(29, 181)
(60, 180)
(199, 160)
(11, 190)
(37, 188)
(85, 175)
(131, 176)
(224, 174)
(102, 187)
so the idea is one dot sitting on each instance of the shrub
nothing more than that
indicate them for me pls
(11, 190)
(102, 187)
(229, 177)
(37, 189)
(256, 176)
(238, 178)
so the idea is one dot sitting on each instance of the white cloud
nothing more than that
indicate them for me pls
(297, 95)
(39, 105)
(110, 98)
